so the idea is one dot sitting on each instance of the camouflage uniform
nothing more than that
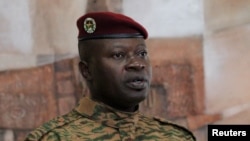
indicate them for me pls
(92, 121)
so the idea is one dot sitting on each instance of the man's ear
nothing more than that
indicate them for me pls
(84, 69)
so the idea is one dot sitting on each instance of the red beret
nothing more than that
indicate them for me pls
(102, 25)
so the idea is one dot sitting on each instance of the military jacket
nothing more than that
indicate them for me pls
(93, 121)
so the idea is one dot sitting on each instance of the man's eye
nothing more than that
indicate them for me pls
(118, 55)
(143, 53)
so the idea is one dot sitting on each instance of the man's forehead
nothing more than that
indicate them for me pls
(115, 42)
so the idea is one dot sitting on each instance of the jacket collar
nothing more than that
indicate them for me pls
(106, 115)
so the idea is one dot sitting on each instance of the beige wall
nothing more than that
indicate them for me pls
(227, 60)
(34, 33)
(167, 18)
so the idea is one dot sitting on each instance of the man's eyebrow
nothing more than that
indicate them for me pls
(142, 45)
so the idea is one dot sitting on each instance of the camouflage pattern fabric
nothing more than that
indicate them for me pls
(92, 121)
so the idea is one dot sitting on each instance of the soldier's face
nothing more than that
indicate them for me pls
(120, 71)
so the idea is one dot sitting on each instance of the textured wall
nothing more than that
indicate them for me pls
(227, 61)
(32, 96)
(167, 18)
(34, 86)
(34, 33)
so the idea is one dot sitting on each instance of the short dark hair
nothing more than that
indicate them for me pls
(84, 49)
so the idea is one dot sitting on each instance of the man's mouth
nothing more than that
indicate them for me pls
(137, 83)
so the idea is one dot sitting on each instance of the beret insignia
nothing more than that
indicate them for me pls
(89, 25)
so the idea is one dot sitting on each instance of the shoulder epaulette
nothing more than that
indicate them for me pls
(59, 121)
(167, 122)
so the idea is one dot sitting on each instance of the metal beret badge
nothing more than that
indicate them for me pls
(89, 25)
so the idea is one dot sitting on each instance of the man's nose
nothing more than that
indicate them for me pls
(135, 64)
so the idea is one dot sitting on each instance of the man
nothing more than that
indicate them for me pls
(116, 67)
